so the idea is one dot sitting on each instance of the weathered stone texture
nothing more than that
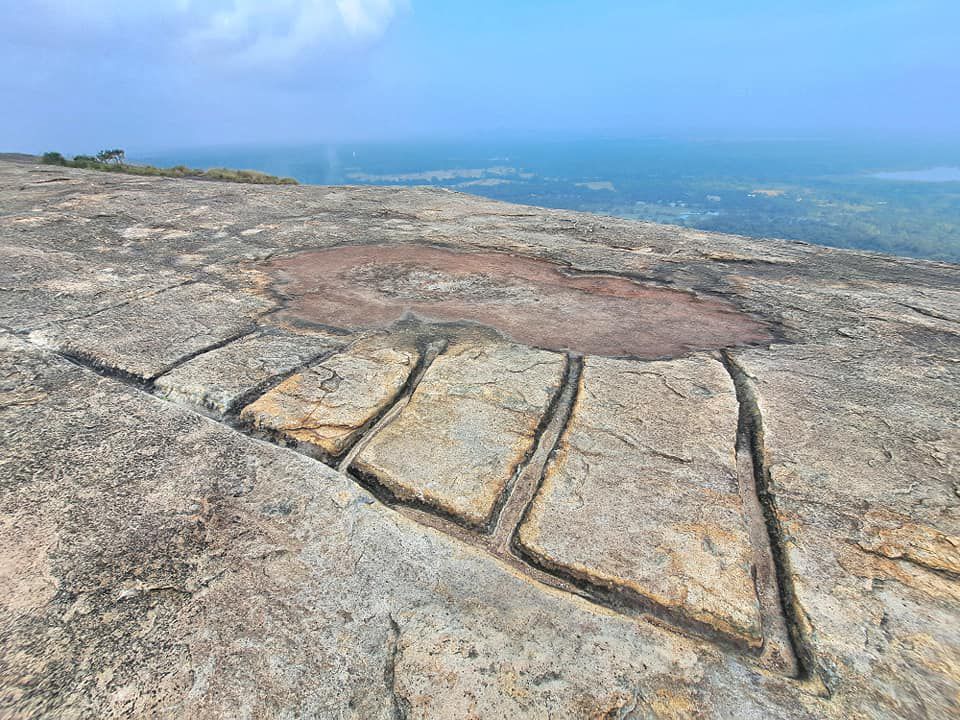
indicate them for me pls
(643, 492)
(529, 300)
(221, 379)
(766, 528)
(863, 449)
(42, 286)
(469, 424)
(146, 337)
(327, 405)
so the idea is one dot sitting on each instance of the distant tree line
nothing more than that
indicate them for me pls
(115, 161)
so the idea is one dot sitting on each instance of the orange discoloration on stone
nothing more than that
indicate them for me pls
(898, 537)
(329, 404)
(468, 426)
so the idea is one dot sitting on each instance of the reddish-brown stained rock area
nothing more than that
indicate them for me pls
(529, 300)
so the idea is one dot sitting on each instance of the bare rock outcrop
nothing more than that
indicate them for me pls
(406, 453)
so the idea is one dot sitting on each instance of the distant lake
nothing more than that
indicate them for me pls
(937, 174)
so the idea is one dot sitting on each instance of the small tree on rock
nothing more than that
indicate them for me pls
(108, 157)
(53, 158)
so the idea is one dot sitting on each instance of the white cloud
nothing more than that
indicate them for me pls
(239, 33)
(253, 33)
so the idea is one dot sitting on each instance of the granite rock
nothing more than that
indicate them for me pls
(405, 453)
(643, 494)
(220, 380)
(467, 428)
(330, 403)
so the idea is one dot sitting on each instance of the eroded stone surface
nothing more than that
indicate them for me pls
(327, 405)
(897, 536)
(211, 560)
(470, 422)
(146, 337)
(888, 438)
(220, 379)
(41, 286)
(156, 563)
(536, 302)
(643, 492)
(863, 450)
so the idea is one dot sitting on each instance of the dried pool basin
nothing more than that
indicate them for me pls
(529, 300)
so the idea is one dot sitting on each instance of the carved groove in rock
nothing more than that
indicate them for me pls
(500, 535)
(430, 349)
(328, 408)
(529, 475)
(471, 424)
(750, 434)
(470, 432)
(160, 560)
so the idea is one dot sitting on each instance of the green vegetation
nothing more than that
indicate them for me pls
(53, 158)
(114, 161)
(111, 157)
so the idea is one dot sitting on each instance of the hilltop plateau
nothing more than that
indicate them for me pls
(366, 452)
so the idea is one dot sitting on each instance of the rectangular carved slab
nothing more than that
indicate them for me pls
(642, 495)
(331, 403)
(469, 424)
(222, 378)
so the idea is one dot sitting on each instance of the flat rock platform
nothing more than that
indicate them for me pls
(365, 452)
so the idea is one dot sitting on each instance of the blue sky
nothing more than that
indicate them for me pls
(81, 74)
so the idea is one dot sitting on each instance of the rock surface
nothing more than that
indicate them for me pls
(330, 403)
(519, 462)
(469, 425)
(643, 494)
(219, 380)
(147, 337)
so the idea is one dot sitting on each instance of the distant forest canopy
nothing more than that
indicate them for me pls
(115, 161)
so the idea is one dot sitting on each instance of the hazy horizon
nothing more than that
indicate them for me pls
(899, 197)
(164, 75)
(876, 139)
(813, 121)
